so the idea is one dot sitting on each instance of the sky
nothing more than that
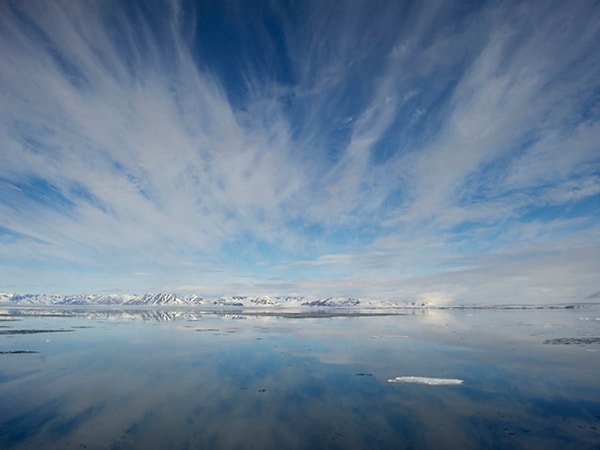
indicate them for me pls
(439, 151)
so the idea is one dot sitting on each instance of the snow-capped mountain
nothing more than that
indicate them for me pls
(265, 303)
(165, 299)
(332, 302)
(169, 299)
(264, 300)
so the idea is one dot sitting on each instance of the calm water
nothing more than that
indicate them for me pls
(126, 381)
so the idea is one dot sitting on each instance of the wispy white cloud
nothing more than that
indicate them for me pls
(390, 149)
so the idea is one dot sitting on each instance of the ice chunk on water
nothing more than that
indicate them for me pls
(426, 380)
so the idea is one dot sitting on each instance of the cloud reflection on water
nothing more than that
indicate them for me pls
(293, 383)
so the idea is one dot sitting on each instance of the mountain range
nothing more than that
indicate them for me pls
(169, 299)
(237, 302)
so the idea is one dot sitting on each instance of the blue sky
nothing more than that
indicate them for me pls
(441, 151)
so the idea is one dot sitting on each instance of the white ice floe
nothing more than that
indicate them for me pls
(390, 336)
(426, 380)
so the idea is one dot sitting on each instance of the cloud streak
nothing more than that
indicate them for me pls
(395, 150)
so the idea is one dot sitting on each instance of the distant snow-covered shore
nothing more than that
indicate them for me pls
(261, 302)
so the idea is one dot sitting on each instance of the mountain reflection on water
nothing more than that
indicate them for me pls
(195, 379)
(183, 313)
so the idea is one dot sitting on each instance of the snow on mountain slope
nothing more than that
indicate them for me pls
(169, 299)
(6, 297)
(332, 302)
(157, 299)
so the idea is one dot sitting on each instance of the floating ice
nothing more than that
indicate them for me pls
(391, 336)
(426, 380)
(573, 340)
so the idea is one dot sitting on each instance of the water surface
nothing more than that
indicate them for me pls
(175, 379)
